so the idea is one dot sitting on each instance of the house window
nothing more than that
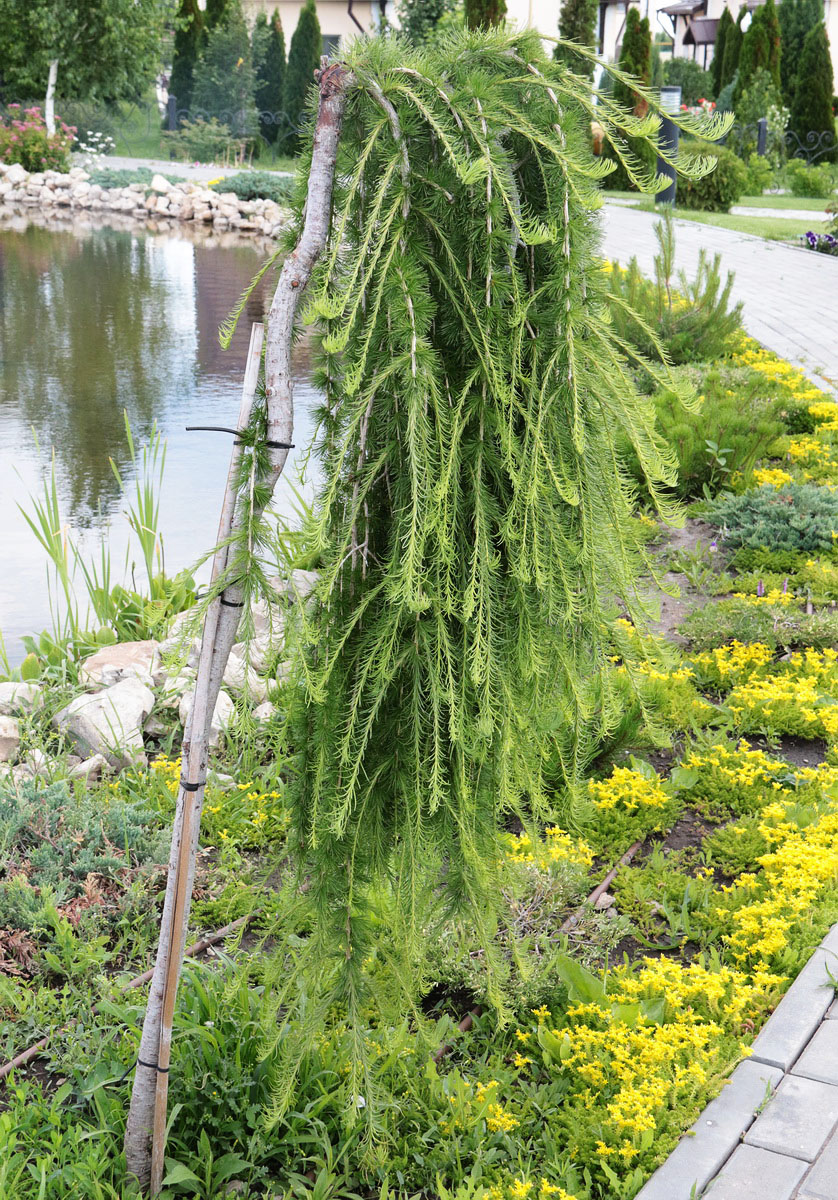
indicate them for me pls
(330, 43)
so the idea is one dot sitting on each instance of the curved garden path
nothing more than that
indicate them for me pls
(790, 295)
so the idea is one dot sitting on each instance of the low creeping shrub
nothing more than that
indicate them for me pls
(258, 185)
(796, 518)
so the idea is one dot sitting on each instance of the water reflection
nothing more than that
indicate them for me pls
(95, 323)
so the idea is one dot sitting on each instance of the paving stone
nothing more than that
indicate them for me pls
(832, 1012)
(822, 1181)
(820, 1058)
(754, 1174)
(797, 1120)
(799, 1013)
(717, 1132)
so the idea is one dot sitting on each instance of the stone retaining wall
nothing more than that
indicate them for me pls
(52, 191)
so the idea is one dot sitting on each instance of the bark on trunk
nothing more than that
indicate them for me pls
(49, 102)
(147, 1113)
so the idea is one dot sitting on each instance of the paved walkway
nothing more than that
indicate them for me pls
(788, 293)
(750, 210)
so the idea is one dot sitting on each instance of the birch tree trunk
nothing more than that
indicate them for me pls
(145, 1128)
(49, 102)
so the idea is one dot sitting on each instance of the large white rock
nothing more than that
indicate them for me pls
(9, 739)
(127, 660)
(19, 697)
(109, 722)
(298, 586)
(240, 677)
(160, 183)
(221, 717)
(16, 174)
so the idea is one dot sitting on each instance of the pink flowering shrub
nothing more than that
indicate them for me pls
(24, 139)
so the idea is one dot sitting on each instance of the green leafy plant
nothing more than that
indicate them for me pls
(803, 180)
(200, 140)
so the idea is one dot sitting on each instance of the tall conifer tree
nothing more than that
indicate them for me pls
(717, 66)
(483, 14)
(760, 48)
(268, 42)
(303, 59)
(224, 80)
(797, 18)
(733, 48)
(812, 111)
(187, 47)
(577, 23)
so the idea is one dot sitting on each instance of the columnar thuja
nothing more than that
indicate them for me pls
(474, 525)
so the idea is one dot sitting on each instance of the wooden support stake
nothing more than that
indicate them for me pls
(145, 1132)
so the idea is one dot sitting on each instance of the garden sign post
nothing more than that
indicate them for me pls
(145, 1132)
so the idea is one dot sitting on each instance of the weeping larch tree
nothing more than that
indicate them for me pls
(474, 526)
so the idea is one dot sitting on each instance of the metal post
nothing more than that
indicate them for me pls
(668, 140)
(762, 136)
(171, 113)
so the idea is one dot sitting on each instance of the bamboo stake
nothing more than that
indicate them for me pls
(194, 760)
(147, 1114)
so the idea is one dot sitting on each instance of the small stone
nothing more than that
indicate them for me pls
(9, 739)
(16, 174)
(605, 900)
(264, 712)
(160, 184)
(37, 763)
(89, 769)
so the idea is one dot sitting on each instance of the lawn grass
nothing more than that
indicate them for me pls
(775, 228)
(773, 201)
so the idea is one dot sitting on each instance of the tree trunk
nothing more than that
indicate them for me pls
(145, 1128)
(49, 103)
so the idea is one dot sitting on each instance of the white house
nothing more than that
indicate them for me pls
(695, 22)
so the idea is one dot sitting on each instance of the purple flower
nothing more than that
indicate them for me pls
(760, 588)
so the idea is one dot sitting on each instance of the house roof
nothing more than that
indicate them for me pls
(701, 31)
(685, 9)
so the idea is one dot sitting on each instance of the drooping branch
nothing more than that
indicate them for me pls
(146, 1125)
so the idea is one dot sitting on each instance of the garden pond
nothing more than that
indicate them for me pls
(102, 323)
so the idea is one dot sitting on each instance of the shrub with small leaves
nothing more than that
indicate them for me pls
(720, 189)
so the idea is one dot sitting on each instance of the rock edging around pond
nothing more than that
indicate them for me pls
(50, 191)
(130, 694)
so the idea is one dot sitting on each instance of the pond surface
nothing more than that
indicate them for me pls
(95, 323)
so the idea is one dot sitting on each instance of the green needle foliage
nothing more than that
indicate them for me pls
(577, 23)
(760, 48)
(474, 527)
(717, 67)
(812, 107)
(303, 59)
(268, 44)
(188, 38)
